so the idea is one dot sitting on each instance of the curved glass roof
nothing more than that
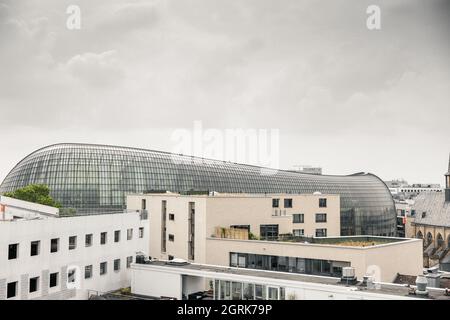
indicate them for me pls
(96, 178)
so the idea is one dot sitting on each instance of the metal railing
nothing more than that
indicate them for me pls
(143, 213)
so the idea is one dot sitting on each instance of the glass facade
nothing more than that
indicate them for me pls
(287, 264)
(232, 290)
(96, 178)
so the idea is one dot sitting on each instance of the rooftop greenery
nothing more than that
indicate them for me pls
(36, 193)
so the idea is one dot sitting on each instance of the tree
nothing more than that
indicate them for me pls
(36, 193)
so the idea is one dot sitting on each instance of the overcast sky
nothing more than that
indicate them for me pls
(343, 97)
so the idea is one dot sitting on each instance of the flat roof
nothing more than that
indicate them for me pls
(212, 271)
(341, 241)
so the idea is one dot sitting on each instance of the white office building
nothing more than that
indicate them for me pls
(45, 256)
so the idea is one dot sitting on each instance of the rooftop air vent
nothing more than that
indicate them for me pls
(177, 262)
(348, 275)
(368, 281)
(421, 283)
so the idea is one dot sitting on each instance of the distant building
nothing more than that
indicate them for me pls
(401, 190)
(396, 183)
(431, 222)
(403, 208)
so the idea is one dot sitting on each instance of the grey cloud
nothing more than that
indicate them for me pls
(309, 68)
(94, 69)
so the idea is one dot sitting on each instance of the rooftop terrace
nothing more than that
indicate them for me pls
(345, 241)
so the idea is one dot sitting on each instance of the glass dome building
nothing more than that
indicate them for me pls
(96, 178)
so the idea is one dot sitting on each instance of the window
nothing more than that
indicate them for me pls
(286, 264)
(242, 260)
(321, 232)
(72, 242)
(298, 232)
(103, 238)
(116, 264)
(171, 216)
(34, 284)
(288, 203)
(321, 217)
(88, 240)
(129, 261)
(260, 292)
(268, 231)
(13, 250)
(233, 259)
(117, 236)
(71, 275)
(129, 234)
(272, 293)
(141, 232)
(144, 204)
(54, 245)
(275, 203)
(88, 272)
(171, 237)
(298, 218)
(322, 202)
(103, 268)
(35, 248)
(53, 279)
(11, 290)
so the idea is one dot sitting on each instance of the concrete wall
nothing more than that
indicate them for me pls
(156, 284)
(194, 284)
(10, 207)
(26, 266)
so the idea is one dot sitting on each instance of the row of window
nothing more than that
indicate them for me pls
(287, 264)
(300, 217)
(288, 203)
(301, 232)
(54, 278)
(271, 232)
(35, 246)
(231, 290)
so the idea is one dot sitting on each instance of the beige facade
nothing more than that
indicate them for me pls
(174, 237)
(226, 210)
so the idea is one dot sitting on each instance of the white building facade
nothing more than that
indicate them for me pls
(45, 257)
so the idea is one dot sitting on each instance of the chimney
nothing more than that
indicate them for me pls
(447, 183)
